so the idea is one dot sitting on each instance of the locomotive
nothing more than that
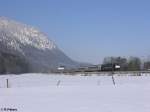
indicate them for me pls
(110, 67)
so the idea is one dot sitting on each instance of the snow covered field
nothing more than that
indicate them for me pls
(64, 93)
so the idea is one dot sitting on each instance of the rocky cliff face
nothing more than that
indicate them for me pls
(31, 47)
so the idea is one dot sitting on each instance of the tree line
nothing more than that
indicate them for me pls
(10, 63)
(128, 64)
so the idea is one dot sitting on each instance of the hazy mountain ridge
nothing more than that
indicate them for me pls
(34, 46)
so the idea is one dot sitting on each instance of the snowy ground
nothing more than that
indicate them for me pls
(40, 93)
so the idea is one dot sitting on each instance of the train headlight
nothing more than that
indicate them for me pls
(117, 66)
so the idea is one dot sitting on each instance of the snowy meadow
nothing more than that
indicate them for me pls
(74, 93)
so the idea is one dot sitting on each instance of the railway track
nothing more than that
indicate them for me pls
(137, 73)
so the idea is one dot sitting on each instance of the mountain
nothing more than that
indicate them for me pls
(26, 49)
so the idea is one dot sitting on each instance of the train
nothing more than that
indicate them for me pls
(90, 68)
(99, 68)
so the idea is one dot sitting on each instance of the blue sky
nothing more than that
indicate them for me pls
(88, 30)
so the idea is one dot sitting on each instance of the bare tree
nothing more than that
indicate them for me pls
(147, 65)
(134, 63)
